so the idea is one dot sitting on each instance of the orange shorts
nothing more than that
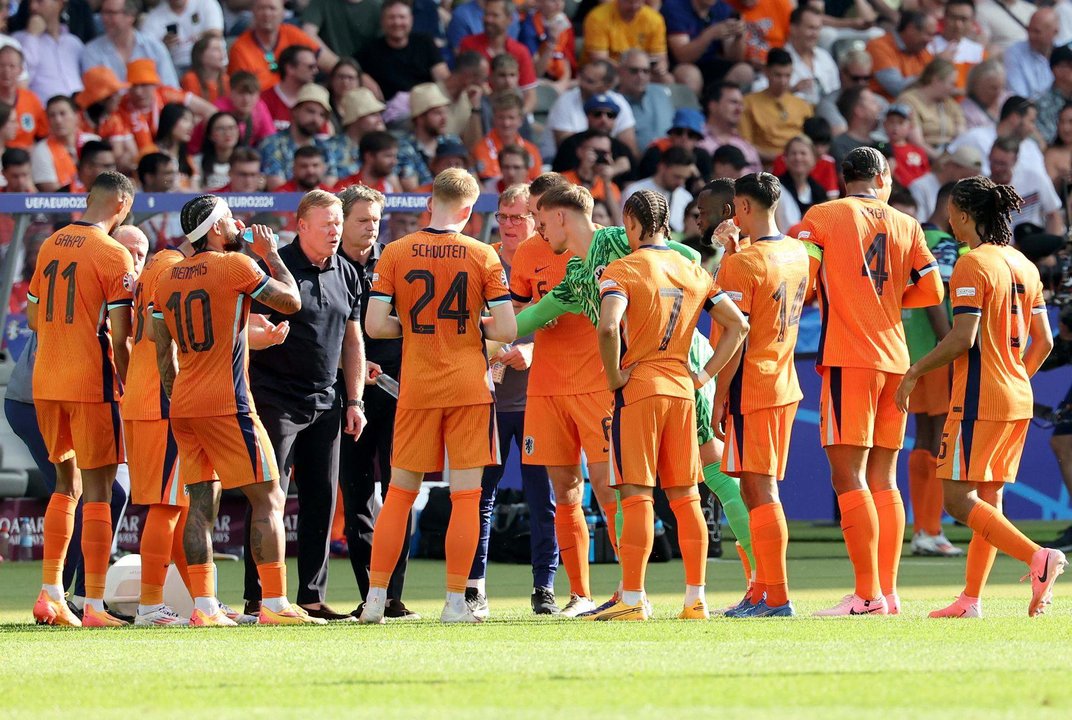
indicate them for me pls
(932, 393)
(234, 449)
(558, 427)
(655, 437)
(153, 457)
(857, 408)
(981, 450)
(91, 433)
(759, 441)
(429, 439)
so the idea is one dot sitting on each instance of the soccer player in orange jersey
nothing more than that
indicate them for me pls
(79, 304)
(1000, 337)
(758, 392)
(200, 310)
(650, 302)
(439, 282)
(871, 261)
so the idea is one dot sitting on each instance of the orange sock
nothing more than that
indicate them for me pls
(273, 577)
(988, 521)
(203, 580)
(573, 542)
(638, 537)
(157, 541)
(891, 525)
(981, 556)
(59, 527)
(692, 538)
(859, 524)
(745, 565)
(389, 534)
(96, 546)
(934, 499)
(463, 533)
(770, 539)
(919, 462)
(610, 512)
(178, 550)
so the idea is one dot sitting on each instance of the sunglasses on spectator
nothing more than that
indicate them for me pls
(861, 78)
(504, 219)
(681, 132)
(604, 114)
(269, 57)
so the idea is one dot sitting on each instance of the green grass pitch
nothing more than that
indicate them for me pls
(517, 666)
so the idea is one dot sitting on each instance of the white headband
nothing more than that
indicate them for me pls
(218, 211)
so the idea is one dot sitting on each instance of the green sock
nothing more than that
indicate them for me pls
(728, 490)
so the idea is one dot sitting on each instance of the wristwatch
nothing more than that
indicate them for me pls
(359, 404)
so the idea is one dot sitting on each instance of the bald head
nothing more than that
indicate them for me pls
(134, 240)
(1042, 31)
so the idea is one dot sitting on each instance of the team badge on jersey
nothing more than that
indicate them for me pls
(599, 271)
(530, 444)
(26, 120)
(128, 282)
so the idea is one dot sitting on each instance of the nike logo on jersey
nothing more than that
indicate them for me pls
(541, 269)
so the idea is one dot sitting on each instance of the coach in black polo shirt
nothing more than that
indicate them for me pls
(362, 209)
(295, 391)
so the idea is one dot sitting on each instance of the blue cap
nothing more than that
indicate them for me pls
(689, 119)
(601, 102)
(451, 148)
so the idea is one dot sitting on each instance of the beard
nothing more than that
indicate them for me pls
(707, 239)
(235, 243)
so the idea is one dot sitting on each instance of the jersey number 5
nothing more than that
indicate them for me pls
(184, 312)
(875, 263)
(453, 306)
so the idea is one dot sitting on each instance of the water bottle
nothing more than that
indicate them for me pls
(388, 384)
(26, 540)
(498, 369)
(247, 235)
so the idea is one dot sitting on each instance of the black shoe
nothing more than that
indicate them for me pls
(1062, 542)
(543, 602)
(326, 613)
(477, 603)
(357, 612)
(253, 607)
(118, 615)
(397, 610)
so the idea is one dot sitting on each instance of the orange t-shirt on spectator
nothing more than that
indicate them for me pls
(486, 155)
(599, 188)
(211, 90)
(885, 54)
(248, 54)
(766, 26)
(33, 122)
(143, 123)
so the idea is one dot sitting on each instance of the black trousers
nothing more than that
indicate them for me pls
(358, 464)
(308, 444)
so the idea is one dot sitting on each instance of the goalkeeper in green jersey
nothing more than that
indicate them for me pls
(593, 249)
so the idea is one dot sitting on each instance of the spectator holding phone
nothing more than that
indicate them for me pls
(181, 23)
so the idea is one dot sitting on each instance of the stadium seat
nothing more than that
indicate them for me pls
(546, 94)
(683, 96)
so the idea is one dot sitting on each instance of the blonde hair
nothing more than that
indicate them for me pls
(514, 193)
(455, 187)
(316, 199)
(359, 193)
(568, 197)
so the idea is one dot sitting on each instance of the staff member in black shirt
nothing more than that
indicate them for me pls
(362, 209)
(294, 387)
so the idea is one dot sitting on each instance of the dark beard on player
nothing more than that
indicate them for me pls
(708, 238)
(235, 243)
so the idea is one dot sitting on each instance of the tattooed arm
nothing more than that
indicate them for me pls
(281, 292)
(166, 359)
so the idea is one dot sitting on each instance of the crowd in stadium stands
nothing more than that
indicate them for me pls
(249, 96)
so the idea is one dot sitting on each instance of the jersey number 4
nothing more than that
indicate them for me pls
(875, 263)
(185, 312)
(453, 306)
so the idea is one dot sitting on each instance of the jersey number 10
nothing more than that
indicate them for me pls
(184, 312)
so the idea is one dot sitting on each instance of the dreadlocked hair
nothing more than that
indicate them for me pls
(194, 212)
(651, 210)
(990, 205)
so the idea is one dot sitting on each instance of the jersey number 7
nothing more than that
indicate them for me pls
(675, 313)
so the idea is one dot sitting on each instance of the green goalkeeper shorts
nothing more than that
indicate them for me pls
(699, 353)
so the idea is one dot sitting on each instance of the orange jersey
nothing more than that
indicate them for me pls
(143, 123)
(870, 256)
(81, 274)
(1001, 286)
(205, 299)
(769, 281)
(665, 293)
(32, 119)
(143, 396)
(565, 359)
(486, 155)
(439, 282)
